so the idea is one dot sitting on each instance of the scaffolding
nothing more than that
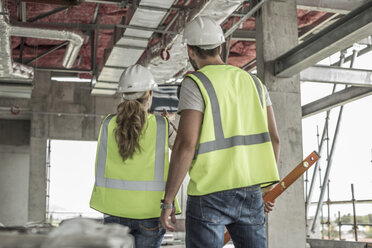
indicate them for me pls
(324, 181)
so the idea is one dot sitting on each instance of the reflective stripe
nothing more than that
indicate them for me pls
(218, 131)
(258, 87)
(233, 141)
(160, 149)
(157, 184)
(132, 185)
(221, 142)
(102, 152)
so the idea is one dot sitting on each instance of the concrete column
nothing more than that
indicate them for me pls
(39, 134)
(37, 180)
(276, 33)
(14, 169)
(59, 111)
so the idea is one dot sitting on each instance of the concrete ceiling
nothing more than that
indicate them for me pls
(114, 27)
(109, 15)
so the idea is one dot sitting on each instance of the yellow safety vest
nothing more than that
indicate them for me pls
(234, 148)
(133, 188)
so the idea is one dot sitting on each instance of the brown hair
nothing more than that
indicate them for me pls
(131, 117)
(204, 53)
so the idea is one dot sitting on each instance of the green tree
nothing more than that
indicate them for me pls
(347, 219)
(369, 233)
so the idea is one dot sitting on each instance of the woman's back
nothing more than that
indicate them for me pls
(131, 188)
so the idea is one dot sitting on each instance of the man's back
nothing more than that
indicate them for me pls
(234, 147)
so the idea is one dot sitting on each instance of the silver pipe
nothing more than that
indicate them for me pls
(2, 8)
(5, 48)
(355, 226)
(10, 69)
(312, 184)
(76, 38)
(328, 169)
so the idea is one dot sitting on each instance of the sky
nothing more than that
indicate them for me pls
(72, 162)
(72, 177)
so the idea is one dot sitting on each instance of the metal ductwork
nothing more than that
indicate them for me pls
(76, 38)
(5, 50)
(10, 69)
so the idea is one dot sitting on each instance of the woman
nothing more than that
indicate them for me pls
(132, 161)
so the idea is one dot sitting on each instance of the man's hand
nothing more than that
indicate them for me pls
(268, 206)
(164, 219)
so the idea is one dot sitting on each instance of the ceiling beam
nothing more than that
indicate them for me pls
(59, 2)
(332, 6)
(244, 35)
(72, 70)
(317, 25)
(49, 51)
(250, 13)
(343, 33)
(115, 2)
(338, 75)
(88, 27)
(337, 99)
(80, 26)
(49, 13)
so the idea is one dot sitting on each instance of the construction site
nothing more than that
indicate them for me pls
(60, 66)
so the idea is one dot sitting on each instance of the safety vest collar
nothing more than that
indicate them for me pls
(220, 141)
(157, 184)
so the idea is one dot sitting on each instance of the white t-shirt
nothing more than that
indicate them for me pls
(191, 97)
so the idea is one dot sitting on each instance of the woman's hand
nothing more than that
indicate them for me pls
(171, 117)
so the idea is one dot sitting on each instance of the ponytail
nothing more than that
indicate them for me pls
(131, 117)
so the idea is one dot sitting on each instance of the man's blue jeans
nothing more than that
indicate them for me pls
(148, 233)
(240, 210)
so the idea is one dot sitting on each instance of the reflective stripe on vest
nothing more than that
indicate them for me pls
(258, 87)
(220, 141)
(157, 184)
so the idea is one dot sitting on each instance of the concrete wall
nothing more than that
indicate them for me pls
(60, 111)
(56, 111)
(276, 30)
(67, 110)
(14, 171)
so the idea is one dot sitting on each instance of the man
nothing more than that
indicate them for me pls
(228, 141)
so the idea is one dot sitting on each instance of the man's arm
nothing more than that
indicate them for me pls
(182, 156)
(273, 131)
(274, 136)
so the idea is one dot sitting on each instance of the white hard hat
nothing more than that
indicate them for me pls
(136, 79)
(203, 32)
